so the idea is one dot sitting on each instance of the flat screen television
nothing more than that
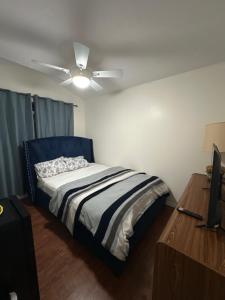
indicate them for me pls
(214, 214)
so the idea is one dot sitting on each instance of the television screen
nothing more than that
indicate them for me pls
(215, 190)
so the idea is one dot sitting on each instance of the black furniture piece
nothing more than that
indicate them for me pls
(17, 258)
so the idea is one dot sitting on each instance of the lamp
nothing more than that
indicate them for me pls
(214, 134)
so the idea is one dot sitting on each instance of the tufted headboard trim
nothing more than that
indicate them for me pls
(39, 150)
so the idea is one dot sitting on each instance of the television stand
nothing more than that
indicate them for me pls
(190, 261)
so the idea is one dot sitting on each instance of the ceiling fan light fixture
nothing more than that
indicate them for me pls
(81, 76)
(81, 81)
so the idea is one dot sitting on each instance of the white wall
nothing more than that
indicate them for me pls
(22, 79)
(158, 127)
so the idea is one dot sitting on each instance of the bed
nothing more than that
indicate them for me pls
(107, 208)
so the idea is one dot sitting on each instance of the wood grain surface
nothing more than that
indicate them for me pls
(190, 261)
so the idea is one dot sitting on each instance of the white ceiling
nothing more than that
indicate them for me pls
(148, 39)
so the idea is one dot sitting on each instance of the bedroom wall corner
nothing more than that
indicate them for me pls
(158, 127)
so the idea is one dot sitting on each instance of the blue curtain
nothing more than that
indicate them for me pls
(16, 126)
(53, 118)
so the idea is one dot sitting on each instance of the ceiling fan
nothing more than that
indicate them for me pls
(80, 75)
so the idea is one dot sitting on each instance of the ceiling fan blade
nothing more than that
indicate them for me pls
(108, 74)
(67, 82)
(81, 55)
(95, 85)
(67, 71)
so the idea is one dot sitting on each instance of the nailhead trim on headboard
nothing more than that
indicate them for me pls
(43, 149)
(26, 148)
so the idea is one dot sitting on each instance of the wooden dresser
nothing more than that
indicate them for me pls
(190, 261)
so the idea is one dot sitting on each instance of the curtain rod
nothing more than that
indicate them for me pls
(1, 89)
(74, 105)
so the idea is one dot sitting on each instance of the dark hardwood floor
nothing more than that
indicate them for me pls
(68, 271)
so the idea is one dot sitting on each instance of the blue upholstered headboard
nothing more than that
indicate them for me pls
(39, 150)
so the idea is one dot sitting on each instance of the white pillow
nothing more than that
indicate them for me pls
(50, 168)
(74, 163)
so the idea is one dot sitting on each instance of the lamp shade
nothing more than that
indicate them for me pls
(215, 134)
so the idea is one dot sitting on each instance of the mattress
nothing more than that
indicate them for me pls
(51, 184)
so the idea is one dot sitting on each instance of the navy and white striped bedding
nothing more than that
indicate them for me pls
(108, 204)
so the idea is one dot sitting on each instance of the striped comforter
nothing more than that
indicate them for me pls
(109, 204)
